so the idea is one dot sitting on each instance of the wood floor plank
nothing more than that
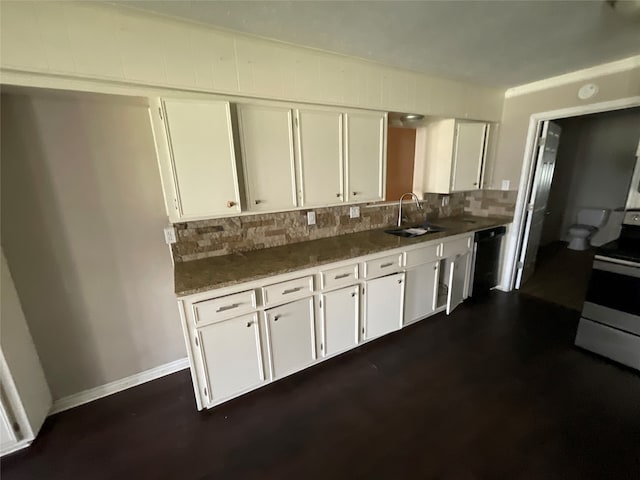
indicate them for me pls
(496, 390)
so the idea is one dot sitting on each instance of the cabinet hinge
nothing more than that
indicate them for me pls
(295, 122)
(206, 394)
(175, 203)
(16, 427)
(322, 347)
(320, 303)
(530, 207)
(363, 330)
(542, 141)
(197, 344)
(363, 290)
(520, 264)
(160, 113)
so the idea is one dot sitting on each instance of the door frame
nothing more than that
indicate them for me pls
(527, 176)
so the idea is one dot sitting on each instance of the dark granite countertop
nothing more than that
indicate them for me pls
(223, 271)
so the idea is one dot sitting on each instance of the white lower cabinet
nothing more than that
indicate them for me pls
(340, 314)
(291, 336)
(383, 301)
(458, 280)
(420, 292)
(242, 338)
(232, 356)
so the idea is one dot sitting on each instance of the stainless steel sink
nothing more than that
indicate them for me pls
(415, 231)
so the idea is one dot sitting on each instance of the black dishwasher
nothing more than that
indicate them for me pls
(486, 260)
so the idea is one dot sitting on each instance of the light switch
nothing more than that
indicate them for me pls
(311, 218)
(505, 184)
(354, 212)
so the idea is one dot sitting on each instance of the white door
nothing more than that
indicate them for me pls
(320, 163)
(383, 303)
(339, 311)
(266, 140)
(201, 177)
(291, 336)
(468, 156)
(458, 274)
(8, 437)
(232, 356)
(538, 198)
(365, 156)
(420, 292)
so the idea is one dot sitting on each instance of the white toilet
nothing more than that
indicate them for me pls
(589, 221)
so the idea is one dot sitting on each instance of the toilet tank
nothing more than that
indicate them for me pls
(593, 216)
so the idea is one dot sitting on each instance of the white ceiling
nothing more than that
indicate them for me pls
(501, 43)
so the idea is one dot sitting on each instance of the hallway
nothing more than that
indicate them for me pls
(561, 275)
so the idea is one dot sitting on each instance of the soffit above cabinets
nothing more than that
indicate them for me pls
(493, 43)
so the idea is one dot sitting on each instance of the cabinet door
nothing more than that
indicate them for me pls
(291, 337)
(232, 356)
(200, 179)
(266, 138)
(365, 138)
(383, 300)
(340, 314)
(320, 163)
(420, 292)
(468, 156)
(458, 273)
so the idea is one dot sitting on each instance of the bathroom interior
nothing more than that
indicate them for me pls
(594, 166)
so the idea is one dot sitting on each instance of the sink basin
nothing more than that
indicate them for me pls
(415, 231)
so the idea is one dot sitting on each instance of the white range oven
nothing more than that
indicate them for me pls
(610, 321)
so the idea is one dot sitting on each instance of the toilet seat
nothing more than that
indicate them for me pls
(579, 226)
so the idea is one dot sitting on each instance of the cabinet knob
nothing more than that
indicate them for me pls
(354, 193)
(276, 318)
(258, 202)
(231, 203)
(249, 324)
(353, 294)
(338, 195)
(475, 183)
(399, 281)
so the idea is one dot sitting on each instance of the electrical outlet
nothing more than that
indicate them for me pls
(169, 235)
(311, 218)
(354, 212)
(505, 184)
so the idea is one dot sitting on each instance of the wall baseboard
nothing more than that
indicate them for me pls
(86, 396)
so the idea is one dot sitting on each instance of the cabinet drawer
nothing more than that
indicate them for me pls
(382, 266)
(286, 291)
(337, 277)
(221, 308)
(422, 255)
(452, 248)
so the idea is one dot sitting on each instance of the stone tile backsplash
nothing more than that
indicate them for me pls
(484, 203)
(222, 236)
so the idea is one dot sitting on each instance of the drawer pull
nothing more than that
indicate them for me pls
(291, 290)
(227, 307)
(344, 275)
(385, 265)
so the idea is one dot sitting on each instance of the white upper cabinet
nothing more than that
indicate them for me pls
(320, 157)
(266, 140)
(194, 142)
(449, 157)
(365, 156)
(468, 156)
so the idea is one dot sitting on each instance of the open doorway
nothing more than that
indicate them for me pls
(584, 166)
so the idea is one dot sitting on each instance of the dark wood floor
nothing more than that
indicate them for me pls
(497, 390)
(561, 275)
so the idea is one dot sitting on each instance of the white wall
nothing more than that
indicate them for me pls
(517, 111)
(594, 167)
(114, 44)
(82, 219)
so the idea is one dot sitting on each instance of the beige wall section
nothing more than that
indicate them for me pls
(105, 42)
(82, 218)
(517, 111)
